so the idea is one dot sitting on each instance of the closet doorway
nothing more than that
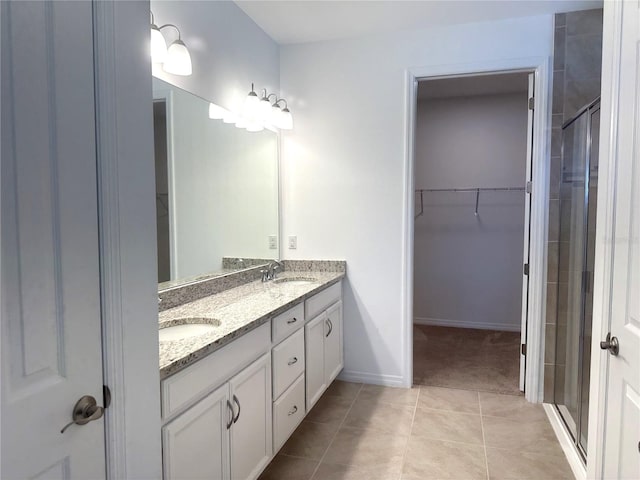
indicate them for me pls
(472, 172)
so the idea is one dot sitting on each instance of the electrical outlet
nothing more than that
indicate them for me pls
(293, 242)
(273, 242)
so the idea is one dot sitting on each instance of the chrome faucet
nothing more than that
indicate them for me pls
(273, 268)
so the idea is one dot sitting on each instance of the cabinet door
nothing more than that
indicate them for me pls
(314, 332)
(251, 433)
(333, 357)
(196, 444)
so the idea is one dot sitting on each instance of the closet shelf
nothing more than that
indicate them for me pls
(476, 190)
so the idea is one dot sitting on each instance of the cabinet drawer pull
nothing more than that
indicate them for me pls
(293, 410)
(292, 361)
(237, 402)
(293, 320)
(330, 324)
(232, 414)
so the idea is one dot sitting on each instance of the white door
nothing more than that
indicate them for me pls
(314, 332)
(333, 343)
(196, 444)
(527, 228)
(252, 429)
(618, 239)
(51, 337)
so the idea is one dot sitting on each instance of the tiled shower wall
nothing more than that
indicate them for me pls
(577, 66)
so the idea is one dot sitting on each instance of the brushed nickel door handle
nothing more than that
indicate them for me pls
(237, 402)
(611, 344)
(230, 407)
(84, 411)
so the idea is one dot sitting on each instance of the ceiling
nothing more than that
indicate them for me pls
(467, 86)
(296, 21)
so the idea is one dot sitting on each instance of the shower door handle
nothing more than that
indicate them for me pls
(611, 344)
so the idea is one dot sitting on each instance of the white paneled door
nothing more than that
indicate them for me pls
(51, 333)
(619, 238)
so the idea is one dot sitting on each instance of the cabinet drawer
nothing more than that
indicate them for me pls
(287, 322)
(319, 302)
(288, 362)
(288, 412)
(195, 381)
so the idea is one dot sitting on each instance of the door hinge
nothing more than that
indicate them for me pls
(528, 187)
(531, 101)
(525, 269)
(106, 396)
(523, 349)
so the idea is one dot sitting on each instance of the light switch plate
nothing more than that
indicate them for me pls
(293, 242)
(273, 242)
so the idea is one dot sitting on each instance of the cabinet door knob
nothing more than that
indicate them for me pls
(293, 320)
(292, 361)
(293, 410)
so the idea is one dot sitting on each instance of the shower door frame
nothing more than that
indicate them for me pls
(541, 68)
(590, 109)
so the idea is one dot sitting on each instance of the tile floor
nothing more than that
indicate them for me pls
(375, 433)
(483, 360)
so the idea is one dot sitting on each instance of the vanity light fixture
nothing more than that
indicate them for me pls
(265, 107)
(158, 43)
(284, 120)
(175, 59)
(257, 113)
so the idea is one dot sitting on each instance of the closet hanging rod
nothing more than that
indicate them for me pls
(476, 190)
(473, 190)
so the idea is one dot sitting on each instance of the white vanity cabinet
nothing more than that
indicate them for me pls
(323, 341)
(228, 433)
(196, 444)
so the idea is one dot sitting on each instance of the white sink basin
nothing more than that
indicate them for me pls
(296, 280)
(186, 328)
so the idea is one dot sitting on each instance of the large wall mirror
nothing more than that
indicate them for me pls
(216, 190)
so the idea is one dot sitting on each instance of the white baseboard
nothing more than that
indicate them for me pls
(440, 322)
(371, 378)
(566, 442)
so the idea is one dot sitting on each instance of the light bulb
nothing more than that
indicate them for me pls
(216, 112)
(254, 127)
(264, 110)
(158, 45)
(251, 104)
(229, 117)
(178, 59)
(286, 119)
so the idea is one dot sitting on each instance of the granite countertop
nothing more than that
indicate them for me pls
(238, 310)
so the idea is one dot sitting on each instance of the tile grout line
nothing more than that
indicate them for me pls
(413, 419)
(344, 419)
(484, 441)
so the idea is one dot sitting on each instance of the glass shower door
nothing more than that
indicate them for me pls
(576, 252)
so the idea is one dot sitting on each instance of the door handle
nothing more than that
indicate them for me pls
(230, 407)
(330, 324)
(237, 402)
(85, 410)
(611, 344)
(293, 361)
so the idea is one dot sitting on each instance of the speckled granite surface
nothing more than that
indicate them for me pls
(239, 310)
(182, 294)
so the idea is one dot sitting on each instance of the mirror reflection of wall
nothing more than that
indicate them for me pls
(216, 189)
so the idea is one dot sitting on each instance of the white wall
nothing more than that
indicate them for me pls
(343, 164)
(468, 269)
(228, 50)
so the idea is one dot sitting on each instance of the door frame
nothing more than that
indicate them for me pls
(126, 216)
(540, 66)
(605, 226)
